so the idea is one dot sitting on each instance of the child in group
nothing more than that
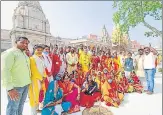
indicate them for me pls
(135, 82)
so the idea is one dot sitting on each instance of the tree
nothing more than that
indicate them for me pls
(132, 13)
(119, 38)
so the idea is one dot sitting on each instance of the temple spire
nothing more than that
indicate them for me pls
(105, 35)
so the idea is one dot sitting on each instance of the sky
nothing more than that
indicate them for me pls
(72, 19)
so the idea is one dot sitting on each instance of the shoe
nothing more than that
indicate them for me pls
(145, 90)
(149, 93)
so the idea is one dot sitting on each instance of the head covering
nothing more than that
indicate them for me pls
(105, 70)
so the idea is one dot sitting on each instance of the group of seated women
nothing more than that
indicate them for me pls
(76, 90)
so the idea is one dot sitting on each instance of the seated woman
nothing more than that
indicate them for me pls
(54, 96)
(104, 87)
(124, 86)
(135, 82)
(78, 78)
(93, 74)
(89, 93)
(110, 92)
(71, 93)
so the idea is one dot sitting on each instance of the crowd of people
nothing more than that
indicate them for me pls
(72, 77)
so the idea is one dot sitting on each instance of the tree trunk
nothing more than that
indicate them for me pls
(159, 33)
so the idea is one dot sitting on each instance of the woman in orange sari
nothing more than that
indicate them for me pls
(114, 92)
(107, 92)
(89, 93)
(71, 93)
(108, 62)
(116, 62)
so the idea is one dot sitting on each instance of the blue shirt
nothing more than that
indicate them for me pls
(128, 66)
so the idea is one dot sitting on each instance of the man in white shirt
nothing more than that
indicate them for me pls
(149, 68)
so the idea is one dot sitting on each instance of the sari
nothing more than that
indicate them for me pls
(105, 89)
(56, 64)
(95, 60)
(115, 94)
(108, 63)
(37, 74)
(116, 63)
(70, 95)
(135, 82)
(85, 62)
(79, 80)
(90, 95)
(124, 86)
(53, 96)
(103, 58)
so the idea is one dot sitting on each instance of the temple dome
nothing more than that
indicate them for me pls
(29, 15)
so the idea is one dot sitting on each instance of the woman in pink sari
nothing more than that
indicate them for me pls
(71, 93)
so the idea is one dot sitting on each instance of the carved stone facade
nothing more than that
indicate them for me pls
(29, 20)
(5, 40)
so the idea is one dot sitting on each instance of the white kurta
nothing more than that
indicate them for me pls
(71, 59)
(140, 66)
(63, 66)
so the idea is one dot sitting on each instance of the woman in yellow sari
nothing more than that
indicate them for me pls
(38, 75)
(107, 88)
(85, 61)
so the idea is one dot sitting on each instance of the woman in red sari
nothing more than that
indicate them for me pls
(71, 93)
(135, 82)
(95, 60)
(103, 58)
(123, 83)
(78, 78)
(56, 63)
(114, 92)
(89, 93)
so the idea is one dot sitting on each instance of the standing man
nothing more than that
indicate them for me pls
(122, 58)
(139, 63)
(15, 72)
(72, 60)
(149, 68)
(128, 65)
(63, 62)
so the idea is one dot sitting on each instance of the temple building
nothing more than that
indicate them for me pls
(30, 21)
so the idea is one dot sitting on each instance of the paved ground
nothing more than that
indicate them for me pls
(133, 104)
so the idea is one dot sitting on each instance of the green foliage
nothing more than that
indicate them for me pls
(132, 13)
(160, 70)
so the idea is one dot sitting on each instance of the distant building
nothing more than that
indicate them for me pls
(93, 37)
